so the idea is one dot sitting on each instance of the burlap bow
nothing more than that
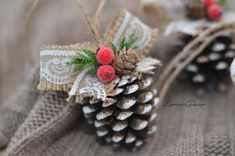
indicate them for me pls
(56, 75)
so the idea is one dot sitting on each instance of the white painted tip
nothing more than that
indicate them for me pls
(232, 70)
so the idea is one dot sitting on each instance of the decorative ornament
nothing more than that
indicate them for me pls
(209, 68)
(112, 81)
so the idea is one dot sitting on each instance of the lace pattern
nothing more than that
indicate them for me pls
(94, 88)
(53, 66)
(132, 25)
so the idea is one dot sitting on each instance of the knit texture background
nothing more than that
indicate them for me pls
(33, 123)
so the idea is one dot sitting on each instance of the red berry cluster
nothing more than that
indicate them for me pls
(105, 72)
(214, 11)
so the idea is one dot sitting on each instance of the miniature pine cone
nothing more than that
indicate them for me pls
(196, 9)
(125, 62)
(127, 116)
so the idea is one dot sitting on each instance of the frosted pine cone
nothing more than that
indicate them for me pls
(125, 61)
(211, 68)
(127, 116)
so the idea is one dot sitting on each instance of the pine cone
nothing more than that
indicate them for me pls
(127, 117)
(196, 9)
(209, 69)
(125, 62)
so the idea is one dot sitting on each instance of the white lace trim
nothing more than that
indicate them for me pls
(132, 25)
(77, 82)
(94, 87)
(57, 53)
(122, 28)
(54, 69)
(53, 66)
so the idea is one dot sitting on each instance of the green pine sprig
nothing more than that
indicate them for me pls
(114, 48)
(86, 59)
(126, 43)
(221, 2)
(224, 4)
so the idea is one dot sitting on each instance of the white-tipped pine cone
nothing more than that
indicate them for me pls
(211, 68)
(125, 62)
(127, 117)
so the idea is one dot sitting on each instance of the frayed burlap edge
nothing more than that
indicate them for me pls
(71, 47)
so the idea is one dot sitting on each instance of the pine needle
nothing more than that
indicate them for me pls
(114, 48)
(86, 59)
(126, 43)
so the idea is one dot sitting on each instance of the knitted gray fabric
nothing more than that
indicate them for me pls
(48, 119)
(16, 109)
(216, 143)
(53, 128)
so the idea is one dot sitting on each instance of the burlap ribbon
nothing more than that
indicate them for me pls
(56, 75)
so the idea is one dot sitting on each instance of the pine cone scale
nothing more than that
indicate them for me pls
(123, 114)
(145, 83)
(104, 114)
(117, 137)
(127, 103)
(139, 124)
(131, 89)
(145, 97)
(130, 138)
(119, 125)
(109, 102)
(144, 109)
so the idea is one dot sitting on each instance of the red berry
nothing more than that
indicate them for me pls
(104, 55)
(208, 3)
(214, 12)
(106, 73)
